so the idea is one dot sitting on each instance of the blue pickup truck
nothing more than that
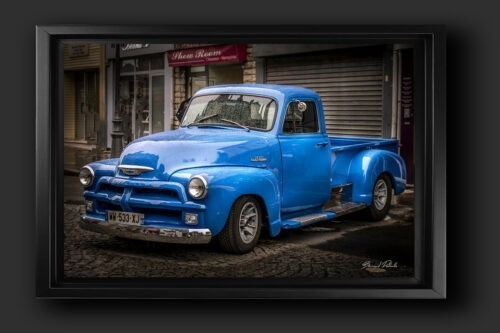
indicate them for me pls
(246, 159)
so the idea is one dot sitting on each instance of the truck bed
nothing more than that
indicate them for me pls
(339, 144)
(345, 149)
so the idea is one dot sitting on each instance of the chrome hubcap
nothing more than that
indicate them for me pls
(249, 219)
(380, 194)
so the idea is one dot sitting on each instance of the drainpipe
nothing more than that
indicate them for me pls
(117, 133)
(395, 92)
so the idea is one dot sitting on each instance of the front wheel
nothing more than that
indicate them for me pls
(381, 198)
(242, 229)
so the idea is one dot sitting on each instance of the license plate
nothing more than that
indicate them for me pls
(125, 217)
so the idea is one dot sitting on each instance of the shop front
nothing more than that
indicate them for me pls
(367, 90)
(84, 112)
(196, 67)
(145, 90)
(351, 82)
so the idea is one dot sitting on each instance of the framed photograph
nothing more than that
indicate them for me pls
(241, 162)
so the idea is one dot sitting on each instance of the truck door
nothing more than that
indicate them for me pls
(305, 150)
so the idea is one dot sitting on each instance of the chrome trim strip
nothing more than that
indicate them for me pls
(308, 219)
(148, 233)
(91, 172)
(133, 170)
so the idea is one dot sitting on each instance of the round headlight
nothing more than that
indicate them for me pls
(86, 176)
(197, 187)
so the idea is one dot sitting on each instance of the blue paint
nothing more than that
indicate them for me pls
(291, 174)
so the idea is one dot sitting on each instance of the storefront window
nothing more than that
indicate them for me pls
(142, 116)
(127, 105)
(142, 95)
(143, 64)
(225, 74)
(211, 75)
(197, 69)
(158, 103)
(127, 66)
(158, 62)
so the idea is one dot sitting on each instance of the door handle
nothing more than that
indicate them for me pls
(322, 144)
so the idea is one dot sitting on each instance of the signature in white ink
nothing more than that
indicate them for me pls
(381, 264)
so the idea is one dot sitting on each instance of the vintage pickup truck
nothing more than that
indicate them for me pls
(245, 159)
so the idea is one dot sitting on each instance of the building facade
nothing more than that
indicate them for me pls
(84, 95)
(199, 65)
(367, 90)
(145, 90)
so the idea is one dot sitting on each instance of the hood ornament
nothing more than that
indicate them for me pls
(133, 170)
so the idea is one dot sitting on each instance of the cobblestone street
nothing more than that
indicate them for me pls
(345, 249)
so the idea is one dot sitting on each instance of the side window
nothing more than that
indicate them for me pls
(297, 121)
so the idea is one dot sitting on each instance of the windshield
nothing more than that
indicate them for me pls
(250, 111)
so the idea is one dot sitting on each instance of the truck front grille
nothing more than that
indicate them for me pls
(157, 204)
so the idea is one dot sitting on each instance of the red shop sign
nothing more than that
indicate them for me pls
(213, 54)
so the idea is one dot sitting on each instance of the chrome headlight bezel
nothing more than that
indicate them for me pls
(89, 172)
(202, 182)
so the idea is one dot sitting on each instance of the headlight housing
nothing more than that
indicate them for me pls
(197, 187)
(86, 176)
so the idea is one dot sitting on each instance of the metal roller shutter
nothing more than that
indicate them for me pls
(350, 85)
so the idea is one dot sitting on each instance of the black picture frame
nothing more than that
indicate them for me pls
(430, 148)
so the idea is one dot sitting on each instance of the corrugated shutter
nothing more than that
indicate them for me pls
(350, 85)
(87, 61)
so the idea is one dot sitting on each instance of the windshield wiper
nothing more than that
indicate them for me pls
(203, 119)
(235, 123)
(200, 121)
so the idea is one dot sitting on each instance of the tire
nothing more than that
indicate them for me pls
(242, 230)
(381, 198)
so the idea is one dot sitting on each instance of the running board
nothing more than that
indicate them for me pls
(344, 208)
(301, 221)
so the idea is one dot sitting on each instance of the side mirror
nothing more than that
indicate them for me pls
(182, 109)
(301, 106)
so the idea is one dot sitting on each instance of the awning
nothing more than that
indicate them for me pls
(213, 54)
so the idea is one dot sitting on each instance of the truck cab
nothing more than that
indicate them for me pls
(245, 159)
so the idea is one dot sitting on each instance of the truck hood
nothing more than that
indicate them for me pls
(185, 148)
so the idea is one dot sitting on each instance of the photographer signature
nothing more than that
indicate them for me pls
(381, 264)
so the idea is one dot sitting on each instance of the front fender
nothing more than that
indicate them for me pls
(227, 184)
(102, 168)
(368, 165)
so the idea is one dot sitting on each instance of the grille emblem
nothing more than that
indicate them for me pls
(134, 170)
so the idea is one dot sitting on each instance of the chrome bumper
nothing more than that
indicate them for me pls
(153, 234)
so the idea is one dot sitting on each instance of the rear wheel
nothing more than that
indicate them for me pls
(242, 229)
(381, 198)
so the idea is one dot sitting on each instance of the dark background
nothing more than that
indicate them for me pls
(473, 155)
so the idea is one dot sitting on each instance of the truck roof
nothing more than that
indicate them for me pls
(273, 90)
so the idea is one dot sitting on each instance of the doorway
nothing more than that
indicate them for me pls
(406, 97)
(86, 105)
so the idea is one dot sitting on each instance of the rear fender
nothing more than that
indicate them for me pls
(227, 184)
(368, 165)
